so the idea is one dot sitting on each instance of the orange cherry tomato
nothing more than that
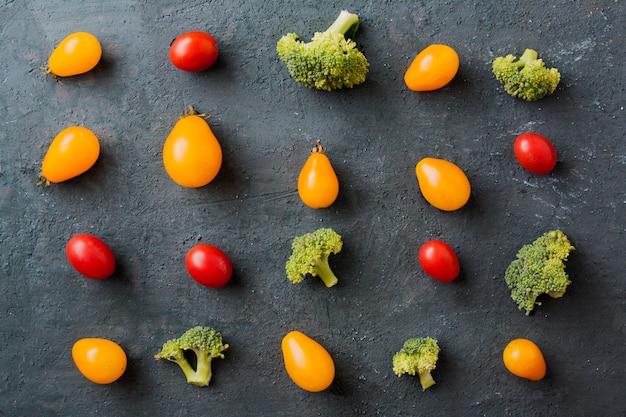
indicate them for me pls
(76, 54)
(73, 151)
(442, 183)
(523, 358)
(432, 69)
(318, 185)
(192, 154)
(99, 360)
(308, 364)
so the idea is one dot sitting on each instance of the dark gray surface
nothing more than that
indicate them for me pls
(374, 135)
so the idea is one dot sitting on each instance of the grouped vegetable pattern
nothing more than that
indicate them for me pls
(192, 157)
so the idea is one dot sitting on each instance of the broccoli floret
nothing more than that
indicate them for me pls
(539, 269)
(310, 256)
(527, 78)
(329, 61)
(205, 342)
(418, 356)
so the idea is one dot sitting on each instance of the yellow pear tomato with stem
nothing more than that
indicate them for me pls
(318, 185)
(308, 364)
(192, 155)
(77, 54)
(72, 152)
(442, 183)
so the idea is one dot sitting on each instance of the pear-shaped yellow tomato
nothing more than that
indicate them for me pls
(523, 358)
(99, 360)
(308, 364)
(442, 183)
(76, 54)
(432, 69)
(192, 154)
(318, 185)
(73, 151)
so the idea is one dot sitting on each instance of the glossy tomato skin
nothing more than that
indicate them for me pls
(76, 54)
(442, 183)
(439, 260)
(308, 364)
(99, 360)
(523, 358)
(318, 185)
(192, 155)
(90, 256)
(193, 51)
(432, 69)
(208, 265)
(535, 153)
(72, 152)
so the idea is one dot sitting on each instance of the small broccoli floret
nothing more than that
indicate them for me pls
(526, 78)
(418, 356)
(329, 61)
(539, 269)
(309, 255)
(205, 342)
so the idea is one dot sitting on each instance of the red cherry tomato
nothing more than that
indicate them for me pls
(439, 261)
(535, 153)
(90, 256)
(193, 51)
(208, 265)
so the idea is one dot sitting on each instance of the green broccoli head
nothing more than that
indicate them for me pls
(309, 255)
(418, 356)
(205, 342)
(329, 61)
(526, 78)
(539, 269)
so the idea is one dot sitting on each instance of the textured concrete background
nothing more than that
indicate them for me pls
(374, 136)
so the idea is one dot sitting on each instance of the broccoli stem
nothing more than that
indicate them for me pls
(345, 22)
(426, 379)
(187, 369)
(325, 273)
(527, 57)
(202, 376)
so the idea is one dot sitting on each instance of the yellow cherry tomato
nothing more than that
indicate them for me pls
(99, 360)
(442, 183)
(432, 69)
(308, 364)
(73, 151)
(523, 358)
(76, 54)
(318, 185)
(192, 154)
